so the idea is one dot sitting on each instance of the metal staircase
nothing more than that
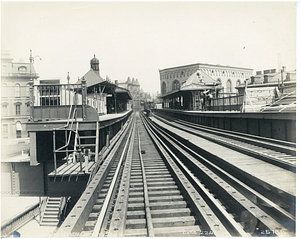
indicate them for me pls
(52, 211)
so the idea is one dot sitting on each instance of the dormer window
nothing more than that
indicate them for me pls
(22, 70)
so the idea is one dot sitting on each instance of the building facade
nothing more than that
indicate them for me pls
(229, 77)
(15, 78)
(134, 88)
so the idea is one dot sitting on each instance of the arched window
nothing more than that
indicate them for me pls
(4, 90)
(19, 129)
(176, 85)
(228, 86)
(17, 90)
(238, 82)
(163, 88)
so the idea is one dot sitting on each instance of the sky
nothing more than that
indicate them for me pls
(136, 39)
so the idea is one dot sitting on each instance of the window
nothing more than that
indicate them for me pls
(238, 82)
(4, 90)
(228, 86)
(5, 131)
(163, 88)
(4, 109)
(18, 109)
(19, 129)
(176, 85)
(22, 70)
(17, 90)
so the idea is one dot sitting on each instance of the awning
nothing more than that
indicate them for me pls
(19, 126)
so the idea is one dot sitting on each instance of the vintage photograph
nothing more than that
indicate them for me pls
(148, 119)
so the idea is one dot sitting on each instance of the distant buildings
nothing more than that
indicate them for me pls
(267, 86)
(134, 88)
(15, 77)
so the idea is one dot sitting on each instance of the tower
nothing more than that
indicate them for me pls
(95, 65)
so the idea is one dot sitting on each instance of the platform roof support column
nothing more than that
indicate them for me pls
(84, 94)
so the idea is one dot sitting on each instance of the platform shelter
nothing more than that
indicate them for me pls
(194, 94)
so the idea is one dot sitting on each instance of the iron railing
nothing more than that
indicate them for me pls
(21, 219)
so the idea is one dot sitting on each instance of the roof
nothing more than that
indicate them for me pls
(200, 78)
(123, 92)
(91, 78)
(203, 64)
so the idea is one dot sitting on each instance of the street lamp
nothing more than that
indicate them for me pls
(31, 102)
(31, 60)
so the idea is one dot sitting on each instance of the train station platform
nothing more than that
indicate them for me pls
(268, 176)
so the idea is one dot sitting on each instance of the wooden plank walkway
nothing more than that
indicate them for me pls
(71, 170)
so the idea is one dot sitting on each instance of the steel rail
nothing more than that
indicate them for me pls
(215, 225)
(105, 205)
(146, 197)
(73, 224)
(234, 134)
(265, 157)
(180, 147)
(118, 220)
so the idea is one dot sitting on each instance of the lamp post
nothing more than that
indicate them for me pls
(31, 60)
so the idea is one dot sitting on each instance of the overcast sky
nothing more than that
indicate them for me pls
(137, 39)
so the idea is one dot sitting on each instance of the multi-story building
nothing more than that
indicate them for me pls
(15, 110)
(229, 77)
(134, 88)
(15, 77)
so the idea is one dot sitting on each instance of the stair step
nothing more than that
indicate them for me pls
(88, 145)
(88, 137)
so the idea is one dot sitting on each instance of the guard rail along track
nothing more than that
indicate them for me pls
(156, 186)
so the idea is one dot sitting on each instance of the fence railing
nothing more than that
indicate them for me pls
(226, 103)
(55, 101)
(18, 221)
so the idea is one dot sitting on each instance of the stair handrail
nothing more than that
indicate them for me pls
(61, 206)
(42, 208)
(69, 138)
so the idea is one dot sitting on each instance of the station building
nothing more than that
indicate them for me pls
(228, 77)
(102, 94)
(192, 87)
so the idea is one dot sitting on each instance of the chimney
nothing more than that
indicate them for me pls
(116, 82)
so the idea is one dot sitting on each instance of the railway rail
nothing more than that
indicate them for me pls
(280, 153)
(157, 186)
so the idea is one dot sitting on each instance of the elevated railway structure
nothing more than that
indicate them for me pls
(158, 185)
(168, 174)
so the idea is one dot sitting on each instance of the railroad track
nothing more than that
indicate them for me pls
(277, 152)
(159, 187)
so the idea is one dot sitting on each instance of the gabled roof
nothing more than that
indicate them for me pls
(91, 78)
(199, 77)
